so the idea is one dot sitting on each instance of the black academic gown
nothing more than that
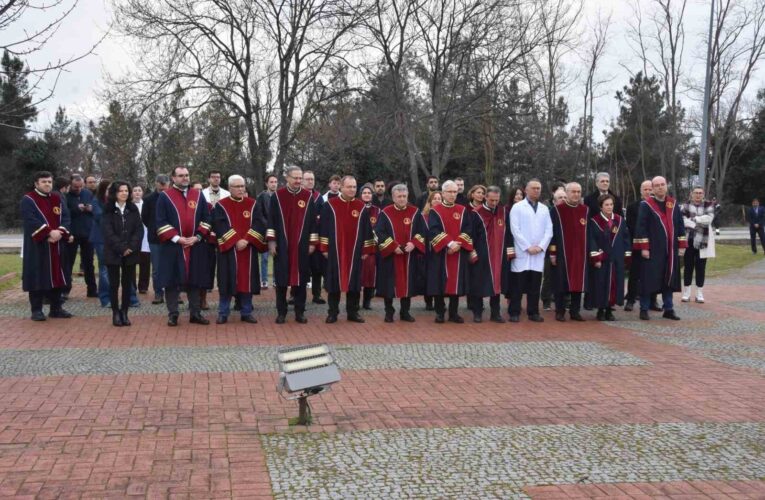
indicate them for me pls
(613, 249)
(42, 267)
(662, 232)
(400, 275)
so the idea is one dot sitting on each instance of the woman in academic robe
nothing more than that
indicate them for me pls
(369, 265)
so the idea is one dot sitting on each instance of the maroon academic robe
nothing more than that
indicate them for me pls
(400, 274)
(447, 273)
(292, 225)
(238, 270)
(345, 235)
(570, 245)
(42, 263)
(494, 245)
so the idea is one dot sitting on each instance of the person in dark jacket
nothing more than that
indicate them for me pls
(263, 203)
(755, 216)
(80, 203)
(602, 184)
(148, 215)
(122, 230)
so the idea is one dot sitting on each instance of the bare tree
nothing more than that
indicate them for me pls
(738, 47)
(22, 42)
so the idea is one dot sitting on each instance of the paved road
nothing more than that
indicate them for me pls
(629, 409)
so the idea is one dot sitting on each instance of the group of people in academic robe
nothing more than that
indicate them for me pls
(452, 246)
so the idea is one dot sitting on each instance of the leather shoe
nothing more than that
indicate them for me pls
(331, 319)
(601, 315)
(628, 306)
(249, 319)
(477, 318)
(158, 300)
(497, 319)
(456, 319)
(536, 318)
(300, 318)
(610, 315)
(355, 318)
(116, 318)
(38, 316)
(407, 317)
(172, 320)
(560, 316)
(670, 314)
(124, 318)
(61, 314)
(644, 315)
(280, 320)
(388, 317)
(515, 319)
(222, 320)
(576, 317)
(199, 320)
(439, 319)
(318, 300)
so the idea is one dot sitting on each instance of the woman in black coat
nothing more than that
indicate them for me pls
(123, 232)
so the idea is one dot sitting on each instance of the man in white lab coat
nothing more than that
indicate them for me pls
(531, 226)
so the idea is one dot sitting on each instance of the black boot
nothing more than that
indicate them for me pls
(116, 317)
(610, 315)
(124, 316)
(601, 315)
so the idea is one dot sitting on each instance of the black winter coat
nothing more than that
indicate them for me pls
(121, 231)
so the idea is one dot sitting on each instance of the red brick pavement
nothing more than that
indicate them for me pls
(676, 490)
(196, 435)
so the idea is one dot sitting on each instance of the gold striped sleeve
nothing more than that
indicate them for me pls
(596, 253)
(255, 235)
(164, 229)
(270, 233)
(437, 239)
(313, 238)
(39, 229)
(466, 238)
(324, 240)
(419, 238)
(205, 225)
(640, 240)
(552, 248)
(628, 253)
(385, 244)
(510, 250)
(369, 243)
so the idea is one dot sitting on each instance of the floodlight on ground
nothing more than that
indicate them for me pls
(305, 371)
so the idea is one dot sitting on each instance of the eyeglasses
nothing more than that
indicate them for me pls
(235, 187)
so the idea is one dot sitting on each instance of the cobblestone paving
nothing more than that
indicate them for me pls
(47, 362)
(750, 305)
(498, 462)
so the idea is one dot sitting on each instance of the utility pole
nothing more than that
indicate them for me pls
(705, 116)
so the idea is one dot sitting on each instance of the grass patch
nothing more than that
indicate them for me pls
(10, 263)
(729, 258)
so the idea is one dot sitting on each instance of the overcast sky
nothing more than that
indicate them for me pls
(78, 89)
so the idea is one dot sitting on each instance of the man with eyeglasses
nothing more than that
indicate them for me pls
(292, 238)
(241, 235)
(183, 221)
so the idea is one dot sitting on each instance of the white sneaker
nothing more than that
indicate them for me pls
(699, 296)
(686, 294)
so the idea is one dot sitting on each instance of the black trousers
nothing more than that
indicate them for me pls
(121, 276)
(576, 302)
(86, 260)
(316, 285)
(475, 304)
(351, 303)
(298, 293)
(528, 282)
(633, 294)
(54, 297)
(193, 294)
(693, 261)
(753, 233)
(406, 303)
(548, 290)
(144, 271)
(439, 301)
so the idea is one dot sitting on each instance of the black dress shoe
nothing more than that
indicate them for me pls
(576, 317)
(355, 318)
(456, 319)
(439, 319)
(116, 318)
(61, 314)
(331, 319)
(318, 300)
(38, 316)
(610, 315)
(515, 318)
(407, 317)
(222, 320)
(158, 300)
(477, 319)
(172, 320)
(497, 319)
(198, 319)
(125, 319)
(367, 306)
(249, 319)
(601, 315)
(536, 318)
(388, 317)
(560, 316)
(629, 305)
(280, 320)
(300, 318)
(670, 314)
(644, 315)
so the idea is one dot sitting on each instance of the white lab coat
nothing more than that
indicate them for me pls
(530, 228)
(223, 193)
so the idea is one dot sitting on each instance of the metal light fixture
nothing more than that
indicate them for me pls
(305, 371)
